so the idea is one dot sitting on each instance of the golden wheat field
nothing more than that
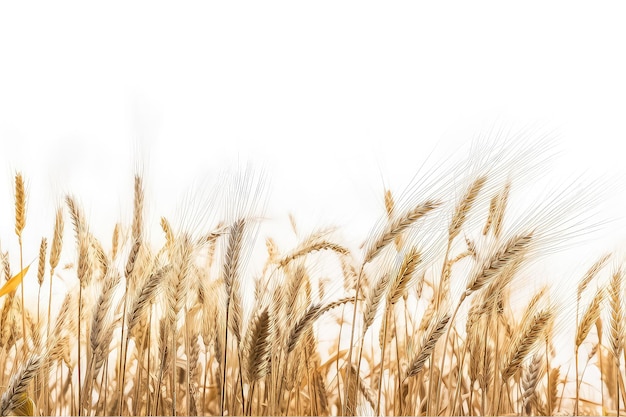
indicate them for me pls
(423, 316)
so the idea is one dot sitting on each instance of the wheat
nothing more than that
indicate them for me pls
(144, 297)
(465, 205)
(529, 382)
(20, 205)
(589, 318)
(137, 227)
(523, 343)
(42, 260)
(57, 240)
(164, 328)
(309, 317)
(398, 226)
(231, 278)
(372, 301)
(102, 308)
(616, 327)
(258, 346)
(507, 254)
(404, 276)
(427, 345)
(591, 273)
(313, 247)
(13, 396)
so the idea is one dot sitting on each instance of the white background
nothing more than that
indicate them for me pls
(334, 100)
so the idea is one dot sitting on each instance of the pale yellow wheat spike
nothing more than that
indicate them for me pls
(18, 385)
(533, 303)
(42, 260)
(493, 206)
(503, 199)
(272, 249)
(398, 226)
(589, 317)
(57, 240)
(465, 205)
(373, 300)
(390, 208)
(591, 273)
(20, 205)
(616, 323)
(6, 266)
(427, 345)
(101, 257)
(552, 389)
(293, 223)
(138, 209)
(313, 313)
(169, 234)
(530, 380)
(404, 276)
(507, 254)
(257, 346)
(312, 247)
(231, 276)
(526, 338)
(389, 203)
(115, 241)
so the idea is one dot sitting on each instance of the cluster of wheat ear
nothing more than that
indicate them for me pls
(417, 320)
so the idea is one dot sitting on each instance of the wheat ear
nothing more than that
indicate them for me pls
(589, 318)
(398, 226)
(13, 396)
(465, 205)
(524, 342)
(313, 313)
(427, 346)
(257, 346)
(530, 380)
(591, 273)
(312, 247)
